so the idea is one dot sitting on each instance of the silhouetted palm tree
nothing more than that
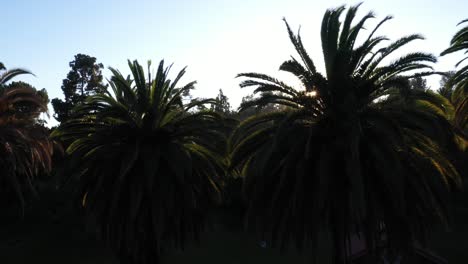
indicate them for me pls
(25, 149)
(459, 80)
(342, 155)
(148, 165)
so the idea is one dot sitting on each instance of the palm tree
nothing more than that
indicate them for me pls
(7, 75)
(147, 162)
(342, 155)
(453, 103)
(25, 150)
(459, 80)
(457, 85)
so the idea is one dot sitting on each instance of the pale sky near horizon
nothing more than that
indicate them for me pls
(215, 39)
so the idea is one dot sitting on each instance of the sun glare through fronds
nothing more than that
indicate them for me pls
(312, 93)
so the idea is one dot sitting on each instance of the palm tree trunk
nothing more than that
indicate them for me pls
(339, 256)
(339, 250)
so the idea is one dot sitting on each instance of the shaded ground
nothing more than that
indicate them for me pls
(453, 245)
(39, 242)
(42, 237)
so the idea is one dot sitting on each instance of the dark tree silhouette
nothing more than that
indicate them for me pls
(446, 89)
(148, 165)
(419, 83)
(25, 149)
(25, 108)
(84, 79)
(222, 104)
(343, 156)
(459, 80)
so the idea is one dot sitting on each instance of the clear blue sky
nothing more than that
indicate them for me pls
(215, 39)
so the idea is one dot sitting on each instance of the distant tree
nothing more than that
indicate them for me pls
(445, 89)
(418, 83)
(243, 113)
(247, 98)
(222, 104)
(84, 79)
(248, 107)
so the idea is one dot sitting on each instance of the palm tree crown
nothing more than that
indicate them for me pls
(25, 149)
(349, 154)
(459, 80)
(148, 163)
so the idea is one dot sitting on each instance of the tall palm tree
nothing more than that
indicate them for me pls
(147, 162)
(25, 149)
(459, 81)
(341, 155)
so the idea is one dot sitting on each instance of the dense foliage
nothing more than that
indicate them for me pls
(349, 155)
(25, 149)
(364, 151)
(148, 163)
(459, 80)
(83, 80)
